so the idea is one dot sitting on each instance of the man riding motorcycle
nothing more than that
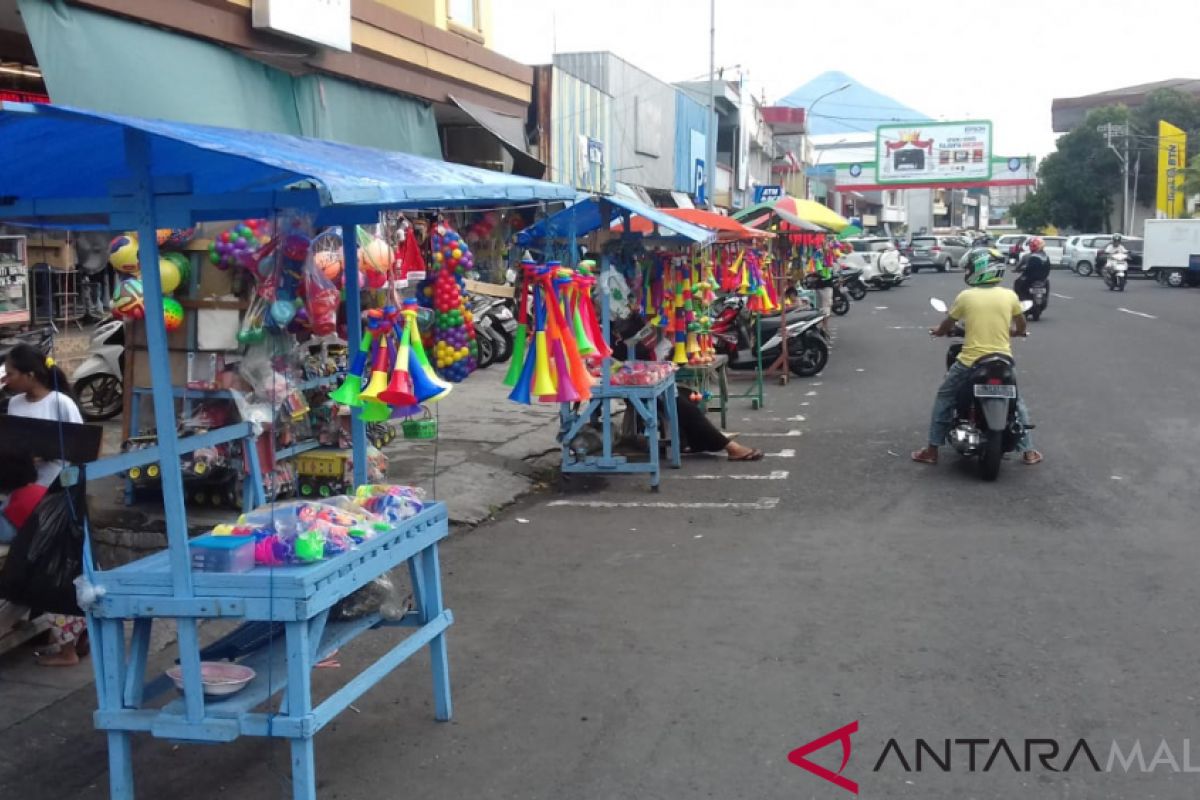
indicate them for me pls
(1034, 267)
(1114, 247)
(987, 311)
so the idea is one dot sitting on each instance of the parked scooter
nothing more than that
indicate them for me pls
(42, 339)
(807, 342)
(851, 278)
(1114, 270)
(985, 417)
(494, 328)
(96, 383)
(841, 301)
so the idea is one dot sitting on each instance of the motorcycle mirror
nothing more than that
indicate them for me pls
(939, 305)
(1026, 305)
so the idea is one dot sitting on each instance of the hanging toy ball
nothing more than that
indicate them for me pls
(329, 263)
(168, 273)
(172, 314)
(123, 254)
(282, 312)
(182, 263)
(128, 302)
(375, 256)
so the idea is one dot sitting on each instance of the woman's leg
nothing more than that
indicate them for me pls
(65, 635)
(696, 432)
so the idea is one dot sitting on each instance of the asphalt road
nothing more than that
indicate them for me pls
(658, 652)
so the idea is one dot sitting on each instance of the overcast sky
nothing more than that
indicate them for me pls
(1002, 60)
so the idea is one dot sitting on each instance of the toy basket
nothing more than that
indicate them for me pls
(424, 427)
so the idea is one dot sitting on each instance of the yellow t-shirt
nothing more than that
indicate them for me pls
(987, 313)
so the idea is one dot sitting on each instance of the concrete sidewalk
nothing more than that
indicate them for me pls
(490, 452)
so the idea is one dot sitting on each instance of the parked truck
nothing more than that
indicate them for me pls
(1172, 251)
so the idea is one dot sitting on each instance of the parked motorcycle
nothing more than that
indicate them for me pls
(96, 383)
(735, 336)
(1115, 269)
(42, 339)
(494, 328)
(985, 418)
(840, 304)
(851, 278)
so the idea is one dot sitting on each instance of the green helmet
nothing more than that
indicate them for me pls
(985, 267)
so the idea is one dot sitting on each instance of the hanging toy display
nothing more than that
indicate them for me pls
(321, 295)
(175, 238)
(235, 248)
(454, 330)
(252, 330)
(553, 369)
(286, 282)
(374, 260)
(123, 254)
(172, 314)
(128, 302)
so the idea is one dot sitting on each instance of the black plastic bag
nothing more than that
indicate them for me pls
(47, 554)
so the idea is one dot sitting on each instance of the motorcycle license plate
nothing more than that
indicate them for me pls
(1039, 292)
(1004, 391)
(509, 325)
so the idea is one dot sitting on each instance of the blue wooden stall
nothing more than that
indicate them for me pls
(69, 168)
(583, 217)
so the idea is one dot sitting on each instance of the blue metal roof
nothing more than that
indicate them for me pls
(54, 152)
(584, 217)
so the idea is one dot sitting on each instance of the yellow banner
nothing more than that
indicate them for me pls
(1172, 155)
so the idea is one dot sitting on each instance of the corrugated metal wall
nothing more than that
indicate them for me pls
(644, 148)
(580, 129)
(691, 138)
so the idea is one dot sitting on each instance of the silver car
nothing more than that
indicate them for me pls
(939, 252)
(1080, 252)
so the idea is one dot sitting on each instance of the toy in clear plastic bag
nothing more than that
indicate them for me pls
(321, 295)
(393, 503)
(382, 595)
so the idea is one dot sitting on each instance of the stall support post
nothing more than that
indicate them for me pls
(358, 431)
(137, 149)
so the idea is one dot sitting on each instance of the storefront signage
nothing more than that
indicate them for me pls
(12, 96)
(934, 152)
(764, 193)
(323, 22)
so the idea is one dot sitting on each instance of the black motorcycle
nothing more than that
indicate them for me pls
(1036, 292)
(985, 417)
(736, 335)
(840, 304)
(851, 279)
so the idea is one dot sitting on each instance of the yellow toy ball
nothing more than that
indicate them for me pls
(168, 273)
(123, 254)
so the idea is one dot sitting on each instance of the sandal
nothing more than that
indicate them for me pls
(751, 455)
(1031, 457)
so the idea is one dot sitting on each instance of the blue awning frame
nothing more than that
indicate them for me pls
(71, 168)
(589, 214)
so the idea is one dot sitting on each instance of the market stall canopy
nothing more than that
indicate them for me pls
(54, 153)
(509, 131)
(804, 214)
(725, 228)
(585, 216)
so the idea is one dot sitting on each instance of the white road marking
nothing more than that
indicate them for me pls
(881, 308)
(860, 369)
(810, 394)
(1061, 296)
(773, 475)
(782, 454)
(804, 403)
(754, 434)
(1116, 477)
(797, 418)
(1137, 313)
(761, 504)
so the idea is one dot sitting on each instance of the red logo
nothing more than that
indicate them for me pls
(799, 756)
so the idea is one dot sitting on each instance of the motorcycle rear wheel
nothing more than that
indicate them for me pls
(992, 455)
(487, 351)
(841, 305)
(811, 359)
(504, 350)
(856, 291)
(100, 397)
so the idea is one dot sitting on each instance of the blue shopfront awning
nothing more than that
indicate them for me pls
(585, 216)
(54, 152)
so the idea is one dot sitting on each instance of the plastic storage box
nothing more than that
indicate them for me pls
(212, 553)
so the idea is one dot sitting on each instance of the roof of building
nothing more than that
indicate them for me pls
(856, 109)
(1067, 112)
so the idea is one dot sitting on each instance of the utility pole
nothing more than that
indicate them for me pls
(710, 157)
(1111, 132)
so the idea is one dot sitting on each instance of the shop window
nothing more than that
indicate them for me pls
(464, 13)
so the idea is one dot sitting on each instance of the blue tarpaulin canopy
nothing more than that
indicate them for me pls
(53, 152)
(585, 216)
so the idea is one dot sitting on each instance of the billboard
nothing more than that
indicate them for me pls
(1172, 152)
(934, 152)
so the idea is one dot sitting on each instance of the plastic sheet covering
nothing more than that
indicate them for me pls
(585, 217)
(58, 152)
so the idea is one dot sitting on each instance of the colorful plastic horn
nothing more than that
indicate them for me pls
(399, 392)
(427, 386)
(516, 365)
(347, 393)
(379, 373)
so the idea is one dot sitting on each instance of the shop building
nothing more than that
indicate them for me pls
(409, 75)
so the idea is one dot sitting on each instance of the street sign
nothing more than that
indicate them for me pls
(764, 193)
(701, 186)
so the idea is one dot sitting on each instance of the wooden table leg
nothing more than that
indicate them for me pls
(431, 607)
(299, 705)
(111, 652)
